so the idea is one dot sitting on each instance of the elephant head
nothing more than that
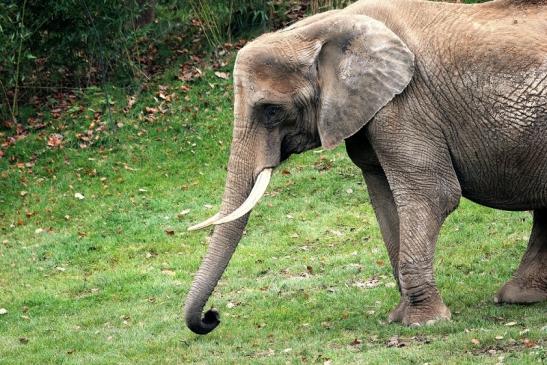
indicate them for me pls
(314, 83)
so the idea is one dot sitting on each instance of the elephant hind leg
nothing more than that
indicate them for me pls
(529, 283)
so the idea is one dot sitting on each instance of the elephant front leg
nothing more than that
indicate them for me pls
(425, 191)
(421, 300)
(386, 214)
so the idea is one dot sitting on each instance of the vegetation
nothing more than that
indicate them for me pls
(96, 193)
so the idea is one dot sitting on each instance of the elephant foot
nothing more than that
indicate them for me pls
(397, 314)
(520, 291)
(422, 314)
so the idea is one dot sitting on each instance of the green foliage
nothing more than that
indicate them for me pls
(49, 43)
(224, 20)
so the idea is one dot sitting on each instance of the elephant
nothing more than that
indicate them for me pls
(433, 101)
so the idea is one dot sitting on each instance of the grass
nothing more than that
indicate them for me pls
(101, 280)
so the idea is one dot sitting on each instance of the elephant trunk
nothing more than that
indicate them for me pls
(223, 243)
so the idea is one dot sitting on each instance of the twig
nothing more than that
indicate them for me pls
(16, 91)
(7, 100)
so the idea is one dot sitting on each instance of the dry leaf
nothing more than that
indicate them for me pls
(131, 100)
(79, 196)
(168, 272)
(183, 213)
(356, 342)
(222, 75)
(55, 140)
(474, 341)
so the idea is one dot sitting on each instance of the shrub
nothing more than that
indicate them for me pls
(65, 43)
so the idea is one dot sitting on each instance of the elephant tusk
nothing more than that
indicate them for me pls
(205, 223)
(258, 190)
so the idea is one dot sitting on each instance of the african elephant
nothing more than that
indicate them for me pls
(434, 101)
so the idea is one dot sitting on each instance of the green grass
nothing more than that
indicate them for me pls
(99, 281)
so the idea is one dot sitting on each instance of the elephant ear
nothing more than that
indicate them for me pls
(361, 65)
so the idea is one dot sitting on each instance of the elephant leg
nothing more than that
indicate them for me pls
(420, 225)
(425, 191)
(529, 283)
(386, 214)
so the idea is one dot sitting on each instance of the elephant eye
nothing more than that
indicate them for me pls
(271, 112)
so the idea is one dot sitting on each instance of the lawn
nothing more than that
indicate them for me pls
(95, 259)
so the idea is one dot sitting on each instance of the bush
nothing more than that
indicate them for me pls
(66, 43)
(224, 20)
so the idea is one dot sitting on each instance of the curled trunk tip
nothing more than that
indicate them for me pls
(202, 326)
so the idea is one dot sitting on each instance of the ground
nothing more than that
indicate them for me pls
(95, 260)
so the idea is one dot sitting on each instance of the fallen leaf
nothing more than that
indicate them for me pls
(356, 342)
(23, 340)
(222, 75)
(394, 342)
(170, 232)
(474, 341)
(370, 283)
(528, 343)
(54, 140)
(131, 100)
(183, 213)
(168, 272)
(79, 196)
(509, 324)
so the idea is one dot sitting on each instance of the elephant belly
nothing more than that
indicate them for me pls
(509, 180)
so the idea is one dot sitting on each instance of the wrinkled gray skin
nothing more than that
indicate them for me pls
(434, 102)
